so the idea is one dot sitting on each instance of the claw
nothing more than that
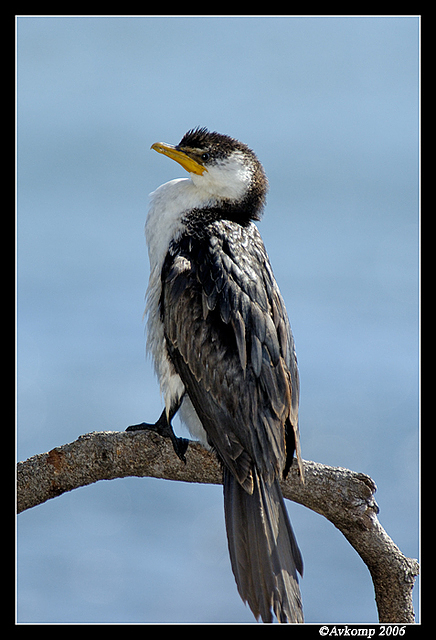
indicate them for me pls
(164, 429)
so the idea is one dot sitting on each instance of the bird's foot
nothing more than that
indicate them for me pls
(164, 429)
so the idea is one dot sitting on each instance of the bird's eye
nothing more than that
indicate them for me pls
(205, 156)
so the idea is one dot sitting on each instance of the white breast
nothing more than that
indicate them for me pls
(164, 223)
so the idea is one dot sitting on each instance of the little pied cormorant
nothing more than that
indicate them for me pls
(223, 350)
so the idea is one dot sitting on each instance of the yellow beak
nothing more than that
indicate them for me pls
(188, 163)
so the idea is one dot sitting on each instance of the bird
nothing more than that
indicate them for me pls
(224, 354)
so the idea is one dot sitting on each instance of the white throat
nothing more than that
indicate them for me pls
(226, 180)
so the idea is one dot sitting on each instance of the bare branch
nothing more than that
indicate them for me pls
(344, 497)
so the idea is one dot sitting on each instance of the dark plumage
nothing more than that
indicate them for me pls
(222, 342)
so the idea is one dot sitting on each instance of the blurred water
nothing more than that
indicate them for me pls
(330, 105)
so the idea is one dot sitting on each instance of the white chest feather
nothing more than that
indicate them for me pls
(164, 223)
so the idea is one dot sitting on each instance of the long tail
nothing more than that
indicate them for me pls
(263, 551)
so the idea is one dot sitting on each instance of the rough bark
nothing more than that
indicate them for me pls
(344, 497)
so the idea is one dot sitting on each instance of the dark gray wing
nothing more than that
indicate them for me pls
(229, 338)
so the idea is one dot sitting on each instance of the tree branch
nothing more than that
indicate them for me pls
(344, 497)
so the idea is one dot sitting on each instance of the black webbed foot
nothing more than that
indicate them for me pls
(164, 429)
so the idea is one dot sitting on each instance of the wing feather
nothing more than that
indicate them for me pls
(229, 338)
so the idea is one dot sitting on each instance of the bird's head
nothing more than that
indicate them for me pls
(221, 167)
